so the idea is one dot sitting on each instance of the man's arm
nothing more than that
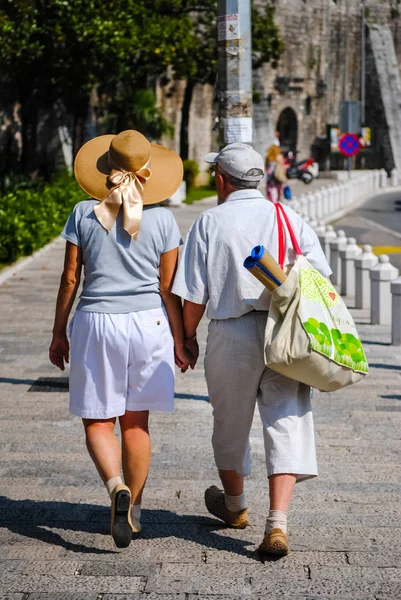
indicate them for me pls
(193, 313)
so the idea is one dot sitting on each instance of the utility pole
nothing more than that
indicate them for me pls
(363, 60)
(328, 64)
(346, 62)
(235, 71)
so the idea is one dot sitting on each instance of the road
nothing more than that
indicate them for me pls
(378, 223)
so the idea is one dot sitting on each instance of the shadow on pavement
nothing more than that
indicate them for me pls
(385, 366)
(35, 519)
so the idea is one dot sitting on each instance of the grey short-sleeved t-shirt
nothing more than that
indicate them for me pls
(121, 274)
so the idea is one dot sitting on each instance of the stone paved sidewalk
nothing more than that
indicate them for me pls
(345, 527)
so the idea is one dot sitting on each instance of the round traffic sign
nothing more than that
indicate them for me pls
(349, 144)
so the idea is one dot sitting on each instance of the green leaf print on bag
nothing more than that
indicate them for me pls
(321, 340)
(348, 351)
(317, 288)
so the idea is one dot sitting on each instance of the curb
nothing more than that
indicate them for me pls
(13, 269)
(347, 209)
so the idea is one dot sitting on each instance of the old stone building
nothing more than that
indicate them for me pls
(320, 66)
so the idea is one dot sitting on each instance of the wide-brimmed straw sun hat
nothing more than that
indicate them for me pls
(126, 169)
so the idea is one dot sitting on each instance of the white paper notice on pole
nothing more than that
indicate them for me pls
(238, 129)
(228, 27)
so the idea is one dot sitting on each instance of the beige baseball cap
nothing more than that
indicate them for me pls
(239, 160)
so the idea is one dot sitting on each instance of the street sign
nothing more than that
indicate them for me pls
(350, 117)
(349, 144)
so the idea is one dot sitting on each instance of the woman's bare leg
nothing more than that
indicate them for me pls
(103, 447)
(136, 451)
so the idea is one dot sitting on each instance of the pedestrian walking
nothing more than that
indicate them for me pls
(211, 273)
(276, 175)
(127, 330)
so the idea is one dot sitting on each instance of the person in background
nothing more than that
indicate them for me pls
(127, 330)
(276, 175)
(211, 272)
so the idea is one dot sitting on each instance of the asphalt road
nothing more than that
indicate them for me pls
(378, 223)
(385, 210)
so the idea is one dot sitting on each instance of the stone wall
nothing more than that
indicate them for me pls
(310, 77)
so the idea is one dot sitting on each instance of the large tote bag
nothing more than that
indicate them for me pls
(310, 334)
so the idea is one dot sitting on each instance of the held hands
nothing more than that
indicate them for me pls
(187, 355)
(59, 351)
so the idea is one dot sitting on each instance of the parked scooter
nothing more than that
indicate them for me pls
(305, 170)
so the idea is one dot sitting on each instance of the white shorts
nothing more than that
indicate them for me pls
(121, 362)
(237, 377)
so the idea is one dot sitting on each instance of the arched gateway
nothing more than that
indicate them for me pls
(287, 126)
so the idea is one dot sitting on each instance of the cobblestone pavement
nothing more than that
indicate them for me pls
(345, 527)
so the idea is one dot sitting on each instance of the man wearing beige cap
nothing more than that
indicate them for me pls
(211, 272)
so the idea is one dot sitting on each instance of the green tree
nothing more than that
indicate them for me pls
(197, 59)
(61, 50)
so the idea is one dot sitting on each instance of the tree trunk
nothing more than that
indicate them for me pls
(29, 124)
(186, 106)
(79, 126)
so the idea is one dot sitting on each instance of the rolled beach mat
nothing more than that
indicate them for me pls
(260, 274)
(265, 259)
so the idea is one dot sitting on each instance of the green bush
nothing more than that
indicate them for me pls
(32, 217)
(191, 171)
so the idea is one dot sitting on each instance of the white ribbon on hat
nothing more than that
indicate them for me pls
(127, 190)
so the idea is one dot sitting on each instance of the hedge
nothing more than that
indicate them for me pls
(32, 217)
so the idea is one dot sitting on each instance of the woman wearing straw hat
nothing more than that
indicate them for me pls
(127, 331)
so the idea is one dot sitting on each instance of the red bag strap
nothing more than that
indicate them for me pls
(281, 214)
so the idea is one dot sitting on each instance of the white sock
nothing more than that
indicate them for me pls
(112, 483)
(277, 519)
(235, 503)
(136, 511)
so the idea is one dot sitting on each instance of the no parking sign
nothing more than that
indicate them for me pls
(349, 144)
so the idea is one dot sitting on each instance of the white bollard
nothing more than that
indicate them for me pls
(348, 256)
(336, 199)
(345, 193)
(325, 202)
(312, 206)
(319, 205)
(303, 201)
(383, 178)
(333, 199)
(295, 205)
(320, 228)
(325, 240)
(336, 245)
(381, 277)
(376, 179)
(394, 178)
(179, 196)
(396, 312)
(363, 264)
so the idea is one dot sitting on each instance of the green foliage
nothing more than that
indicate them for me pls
(191, 171)
(137, 109)
(267, 46)
(57, 52)
(199, 193)
(32, 216)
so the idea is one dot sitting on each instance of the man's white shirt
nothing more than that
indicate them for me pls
(211, 267)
